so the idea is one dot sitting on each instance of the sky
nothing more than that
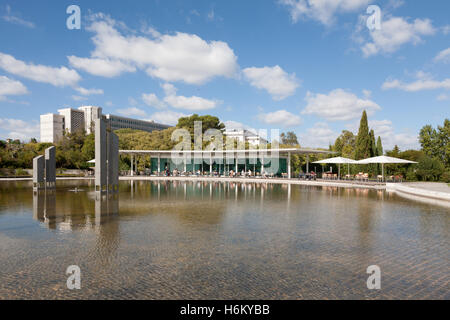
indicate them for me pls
(308, 66)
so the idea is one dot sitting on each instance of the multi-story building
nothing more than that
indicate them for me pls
(128, 123)
(52, 127)
(242, 135)
(74, 119)
(90, 114)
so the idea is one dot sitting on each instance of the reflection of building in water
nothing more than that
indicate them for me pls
(44, 208)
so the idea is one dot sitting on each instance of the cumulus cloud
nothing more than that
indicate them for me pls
(389, 136)
(100, 67)
(58, 77)
(443, 56)
(152, 100)
(171, 57)
(193, 103)
(19, 129)
(319, 136)
(168, 117)
(88, 92)
(132, 112)
(396, 32)
(281, 117)
(278, 83)
(338, 105)
(323, 11)
(9, 87)
(79, 98)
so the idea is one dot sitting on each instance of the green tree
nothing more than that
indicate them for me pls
(363, 141)
(379, 147)
(289, 138)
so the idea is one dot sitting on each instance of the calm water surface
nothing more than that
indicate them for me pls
(199, 240)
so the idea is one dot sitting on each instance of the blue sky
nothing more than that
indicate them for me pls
(299, 65)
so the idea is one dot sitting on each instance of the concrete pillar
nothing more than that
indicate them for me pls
(132, 165)
(101, 178)
(159, 164)
(113, 162)
(185, 164)
(289, 166)
(262, 165)
(50, 168)
(38, 173)
(307, 163)
(210, 164)
(236, 163)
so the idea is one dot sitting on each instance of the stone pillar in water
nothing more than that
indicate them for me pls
(113, 162)
(50, 168)
(38, 173)
(101, 178)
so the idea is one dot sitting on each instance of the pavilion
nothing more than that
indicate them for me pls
(271, 161)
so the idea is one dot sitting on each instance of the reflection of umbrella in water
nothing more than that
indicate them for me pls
(384, 160)
(339, 161)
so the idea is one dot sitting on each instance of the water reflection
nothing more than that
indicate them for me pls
(220, 240)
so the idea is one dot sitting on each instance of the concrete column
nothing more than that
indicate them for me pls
(307, 163)
(38, 173)
(132, 164)
(185, 164)
(159, 164)
(210, 164)
(236, 162)
(262, 165)
(113, 162)
(100, 156)
(289, 166)
(50, 168)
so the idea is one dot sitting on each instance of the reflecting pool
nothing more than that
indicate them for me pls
(201, 240)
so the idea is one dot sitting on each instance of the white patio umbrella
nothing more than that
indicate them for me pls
(384, 160)
(339, 161)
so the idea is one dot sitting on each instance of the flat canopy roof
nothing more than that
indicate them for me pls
(218, 152)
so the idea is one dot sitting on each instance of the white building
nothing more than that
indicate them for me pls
(242, 135)
(90, 114)
(71, 120)
(52, 127)
(74, 119)
(128, 123)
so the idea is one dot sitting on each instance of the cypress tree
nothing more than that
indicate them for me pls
(379, 147)
(363, 142)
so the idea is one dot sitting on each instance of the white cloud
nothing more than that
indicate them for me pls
(418, 85)
(234, 125)
(389, 136)
(443, 56)
(281, 117)
(446, 29)
(168, 117)
(178, 57)
(9, 17)
(193, 103)
(9, 87)
(338, 105)
(132, 112)
(88, 92)
(79, 98)
(19, 129)
(396, 32)
(323, 11)
(100, 67)
(319, 136)
(275, 80)
(152, 100)
(58, 77)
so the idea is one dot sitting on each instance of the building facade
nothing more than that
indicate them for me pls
(117, 123)
(74, 120)
(52, 127)
(243, 136)
(91, 113)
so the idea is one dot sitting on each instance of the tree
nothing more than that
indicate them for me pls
(289, 138)
(363, 141)
(379, 147)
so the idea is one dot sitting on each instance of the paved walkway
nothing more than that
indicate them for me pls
(430, 186)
